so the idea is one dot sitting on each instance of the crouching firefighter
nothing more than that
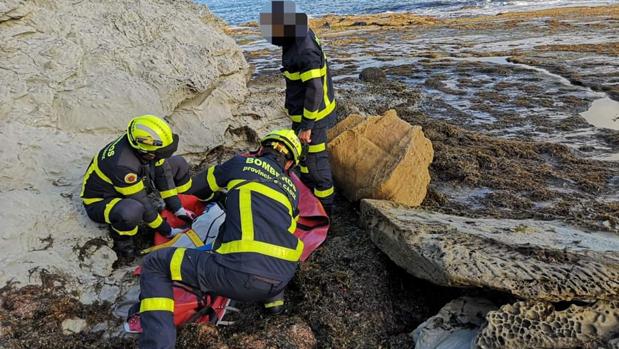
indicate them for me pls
(255, 254)
(310, 99)
(114, 189)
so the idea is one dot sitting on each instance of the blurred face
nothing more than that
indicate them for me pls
(280, 23)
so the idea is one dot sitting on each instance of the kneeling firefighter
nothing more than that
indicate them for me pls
(116, 183)
(255, 254)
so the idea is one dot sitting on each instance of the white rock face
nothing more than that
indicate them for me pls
(70, 326)
(72, 73)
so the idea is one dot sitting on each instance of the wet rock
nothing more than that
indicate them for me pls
(541, 325)
(73, 74)
(381, 157)
(455, 326)
(374, 75)
(527, 258)
(76, 325)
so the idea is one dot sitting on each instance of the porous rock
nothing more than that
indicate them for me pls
(540, 325)
(380, 157)
(531, 259)
(72, 74)
(455, 326)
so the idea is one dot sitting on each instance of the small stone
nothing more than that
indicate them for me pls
(372, 75)
(72, 326)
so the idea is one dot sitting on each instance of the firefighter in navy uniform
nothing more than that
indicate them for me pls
(114, 188)
(310, 99)
(255, 254)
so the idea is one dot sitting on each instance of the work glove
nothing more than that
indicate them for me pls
(175, 231)
(186, 215)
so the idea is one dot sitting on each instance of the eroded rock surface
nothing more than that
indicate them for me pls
(381, 157)
(531, 259)
(540, 325)
(71, 75)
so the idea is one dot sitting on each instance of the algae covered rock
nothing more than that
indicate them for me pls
(381, 157)
(531, 259)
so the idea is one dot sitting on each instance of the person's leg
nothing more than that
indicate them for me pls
(318, 169)
(157, 299)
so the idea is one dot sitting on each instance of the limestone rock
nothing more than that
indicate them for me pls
(455, 326)
(72, 74)
(530, 259)
(71, 326)
(381, 157)
(540, 325)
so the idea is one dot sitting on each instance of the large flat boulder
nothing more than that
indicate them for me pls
(530, 259)
(72, 74)
(380, 157)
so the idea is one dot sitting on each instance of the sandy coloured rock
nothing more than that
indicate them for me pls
(71, 326)
(541, 325)
(72, 74)
(380, 157)
(531, 259)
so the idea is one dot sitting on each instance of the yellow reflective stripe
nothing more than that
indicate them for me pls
(108, 207)
(193, 236)
(293, 225)
(270, 193)
(296, 118)
(157, 304)
(130, 190)
(241, 246)
(274, 303)
(292, 76)
(176, 263)
(247, 217)
(91, 201)
(210, 178)
(168, 193)
(160, 162)
(126, 233)
(95, 164)
(156, 222)
(304, 169)
(321, 194)
(183, 188)
(317, 148)
(319, 115)
(314, 73)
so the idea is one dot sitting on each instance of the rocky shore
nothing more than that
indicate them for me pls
(516, 244)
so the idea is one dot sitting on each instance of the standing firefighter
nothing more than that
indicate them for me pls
(255, 254)
(310, 100)
(114, 189)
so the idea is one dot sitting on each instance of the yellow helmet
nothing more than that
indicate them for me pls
(151, 134)
(289, 139)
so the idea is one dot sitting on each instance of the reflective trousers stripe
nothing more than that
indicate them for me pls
(157, 304)
(317, 148)
(176, 263)
(156, 222)
(128, 232)
(304, 169)
(321, 194)
(274, 303)
(108, 207)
